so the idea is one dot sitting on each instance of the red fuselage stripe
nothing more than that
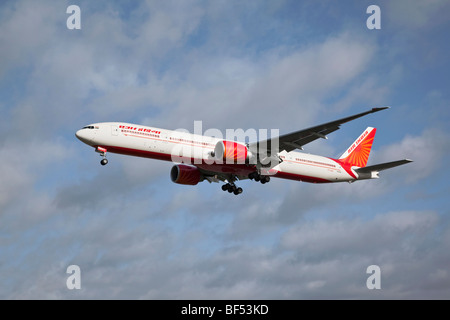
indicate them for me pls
(237, 169)
(298, 177)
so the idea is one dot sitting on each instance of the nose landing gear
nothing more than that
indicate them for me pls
(102, 152)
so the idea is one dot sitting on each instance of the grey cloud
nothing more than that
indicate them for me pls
(412, 15)
(293, 82)
(26, 29)
(21, 165)
(355, 236)
(426, 150)
(107, 187)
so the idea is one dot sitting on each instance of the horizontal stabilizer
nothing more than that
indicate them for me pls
(382, 166)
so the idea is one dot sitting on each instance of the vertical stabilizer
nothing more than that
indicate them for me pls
(358, 153)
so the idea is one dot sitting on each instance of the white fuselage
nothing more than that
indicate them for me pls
(176, 146)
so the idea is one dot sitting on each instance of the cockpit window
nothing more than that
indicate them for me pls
(88, 127)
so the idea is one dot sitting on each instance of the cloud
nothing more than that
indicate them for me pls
(427, 151)
(333, 237)
(256, 88)
(26, 28)
(319, 259)
(66, 75)
(415, 14)
(21, 167)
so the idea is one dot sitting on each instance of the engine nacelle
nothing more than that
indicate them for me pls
(231, 152)
(184, 174)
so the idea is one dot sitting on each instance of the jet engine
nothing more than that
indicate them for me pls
(231, 152)
(184, 174)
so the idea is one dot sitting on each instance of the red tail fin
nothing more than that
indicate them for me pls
(358, 153)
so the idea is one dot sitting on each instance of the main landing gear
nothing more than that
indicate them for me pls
(257, 177)
(231, 188)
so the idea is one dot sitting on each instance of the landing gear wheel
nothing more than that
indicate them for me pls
(228, 187)
(252, 175)
(231, 188)
(265, 179)
(104, 162)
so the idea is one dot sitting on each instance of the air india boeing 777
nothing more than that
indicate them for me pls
(202, 158)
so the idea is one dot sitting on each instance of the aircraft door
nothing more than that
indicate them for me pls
(114, 130)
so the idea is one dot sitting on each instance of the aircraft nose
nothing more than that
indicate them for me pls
(83, 136)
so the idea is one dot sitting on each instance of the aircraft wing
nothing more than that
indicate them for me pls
(297, 139)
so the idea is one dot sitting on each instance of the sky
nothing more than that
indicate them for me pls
(283, 65)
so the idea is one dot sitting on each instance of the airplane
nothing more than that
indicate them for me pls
(200, 157)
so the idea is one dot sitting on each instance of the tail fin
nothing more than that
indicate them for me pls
(358, 153)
